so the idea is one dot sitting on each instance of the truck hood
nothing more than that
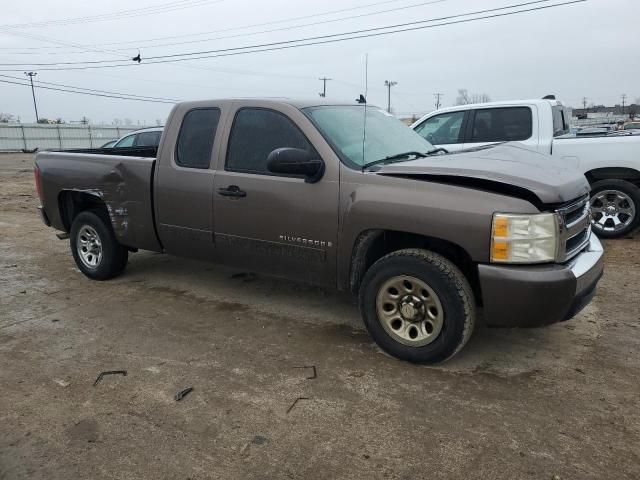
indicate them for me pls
(506, 168)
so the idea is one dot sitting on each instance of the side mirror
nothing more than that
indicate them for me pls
(295, 161)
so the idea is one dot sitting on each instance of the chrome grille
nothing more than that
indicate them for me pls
(574, 222)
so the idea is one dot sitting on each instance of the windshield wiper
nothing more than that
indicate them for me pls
(437, 150)
(397, 157)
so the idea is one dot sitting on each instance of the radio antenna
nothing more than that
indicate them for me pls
(364, 100)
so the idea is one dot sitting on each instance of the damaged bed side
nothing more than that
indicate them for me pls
(72, 181)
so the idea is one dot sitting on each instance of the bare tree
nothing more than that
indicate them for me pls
(127, 122)
(480, 98)
(464, 98)
(6, 118)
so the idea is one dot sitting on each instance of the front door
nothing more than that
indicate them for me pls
(444, 130)
(270, 223)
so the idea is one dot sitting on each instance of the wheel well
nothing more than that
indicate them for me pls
(620, 173)
(71, 203)
(372, 245)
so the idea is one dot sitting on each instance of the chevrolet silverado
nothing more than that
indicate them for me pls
(342, 196)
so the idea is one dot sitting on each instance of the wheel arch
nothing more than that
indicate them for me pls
(371, 245)
(613, 173)
(73, 202)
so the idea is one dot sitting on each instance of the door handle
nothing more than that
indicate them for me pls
(232, 191)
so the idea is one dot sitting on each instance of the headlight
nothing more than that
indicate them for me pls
(524, 238)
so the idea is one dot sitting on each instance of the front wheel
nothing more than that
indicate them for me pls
(615, 208)
(95, 248)
(417, 306)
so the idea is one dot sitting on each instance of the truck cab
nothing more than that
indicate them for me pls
(533, 123)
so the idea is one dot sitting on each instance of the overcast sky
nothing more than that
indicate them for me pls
(582, 50)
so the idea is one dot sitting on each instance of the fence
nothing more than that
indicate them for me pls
(26, 136)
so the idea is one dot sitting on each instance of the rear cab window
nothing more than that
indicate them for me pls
(255, 133)
(560, 125)
(503, 124)
(195, 140)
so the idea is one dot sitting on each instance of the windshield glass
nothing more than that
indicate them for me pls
(343, 127)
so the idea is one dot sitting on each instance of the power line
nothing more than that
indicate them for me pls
(85, 93)
(136, 12)
(242, 27)
(317, 40)
(95, 90)
(292, 27)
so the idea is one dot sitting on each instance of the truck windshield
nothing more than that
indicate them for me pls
(343, 126)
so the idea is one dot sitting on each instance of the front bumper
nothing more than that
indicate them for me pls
(537, 295)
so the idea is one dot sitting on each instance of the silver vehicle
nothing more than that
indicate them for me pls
(146, 137)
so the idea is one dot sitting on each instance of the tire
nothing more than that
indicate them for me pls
(94, 246)
(615, 208)
(429, 322)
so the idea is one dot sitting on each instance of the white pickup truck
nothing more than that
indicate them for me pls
(611, 163)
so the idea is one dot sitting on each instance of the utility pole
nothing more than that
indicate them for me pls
(389, 84)
(324, 81)
(584, 103)
(438, 97)
(624, 98)
(33, 92)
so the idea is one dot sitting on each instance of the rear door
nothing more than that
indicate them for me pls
(271, 223)
(184, 184)
(501, 124)
(444, 130)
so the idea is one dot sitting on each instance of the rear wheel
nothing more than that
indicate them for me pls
(417, 306)
(615, 208)
(95, 248)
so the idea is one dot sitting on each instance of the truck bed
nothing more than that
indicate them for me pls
(122, 182)
(146, 152)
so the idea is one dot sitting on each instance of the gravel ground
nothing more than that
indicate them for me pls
(516, 404)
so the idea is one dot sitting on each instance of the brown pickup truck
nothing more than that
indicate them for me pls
(342, 196)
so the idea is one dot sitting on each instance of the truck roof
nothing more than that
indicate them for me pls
(267, 101)
(507, 103)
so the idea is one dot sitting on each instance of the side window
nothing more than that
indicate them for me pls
(502, 124)
(148, 139)
(195, 141)
(559, 125)
(126, 141)
(442, 129)
(255, 134)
